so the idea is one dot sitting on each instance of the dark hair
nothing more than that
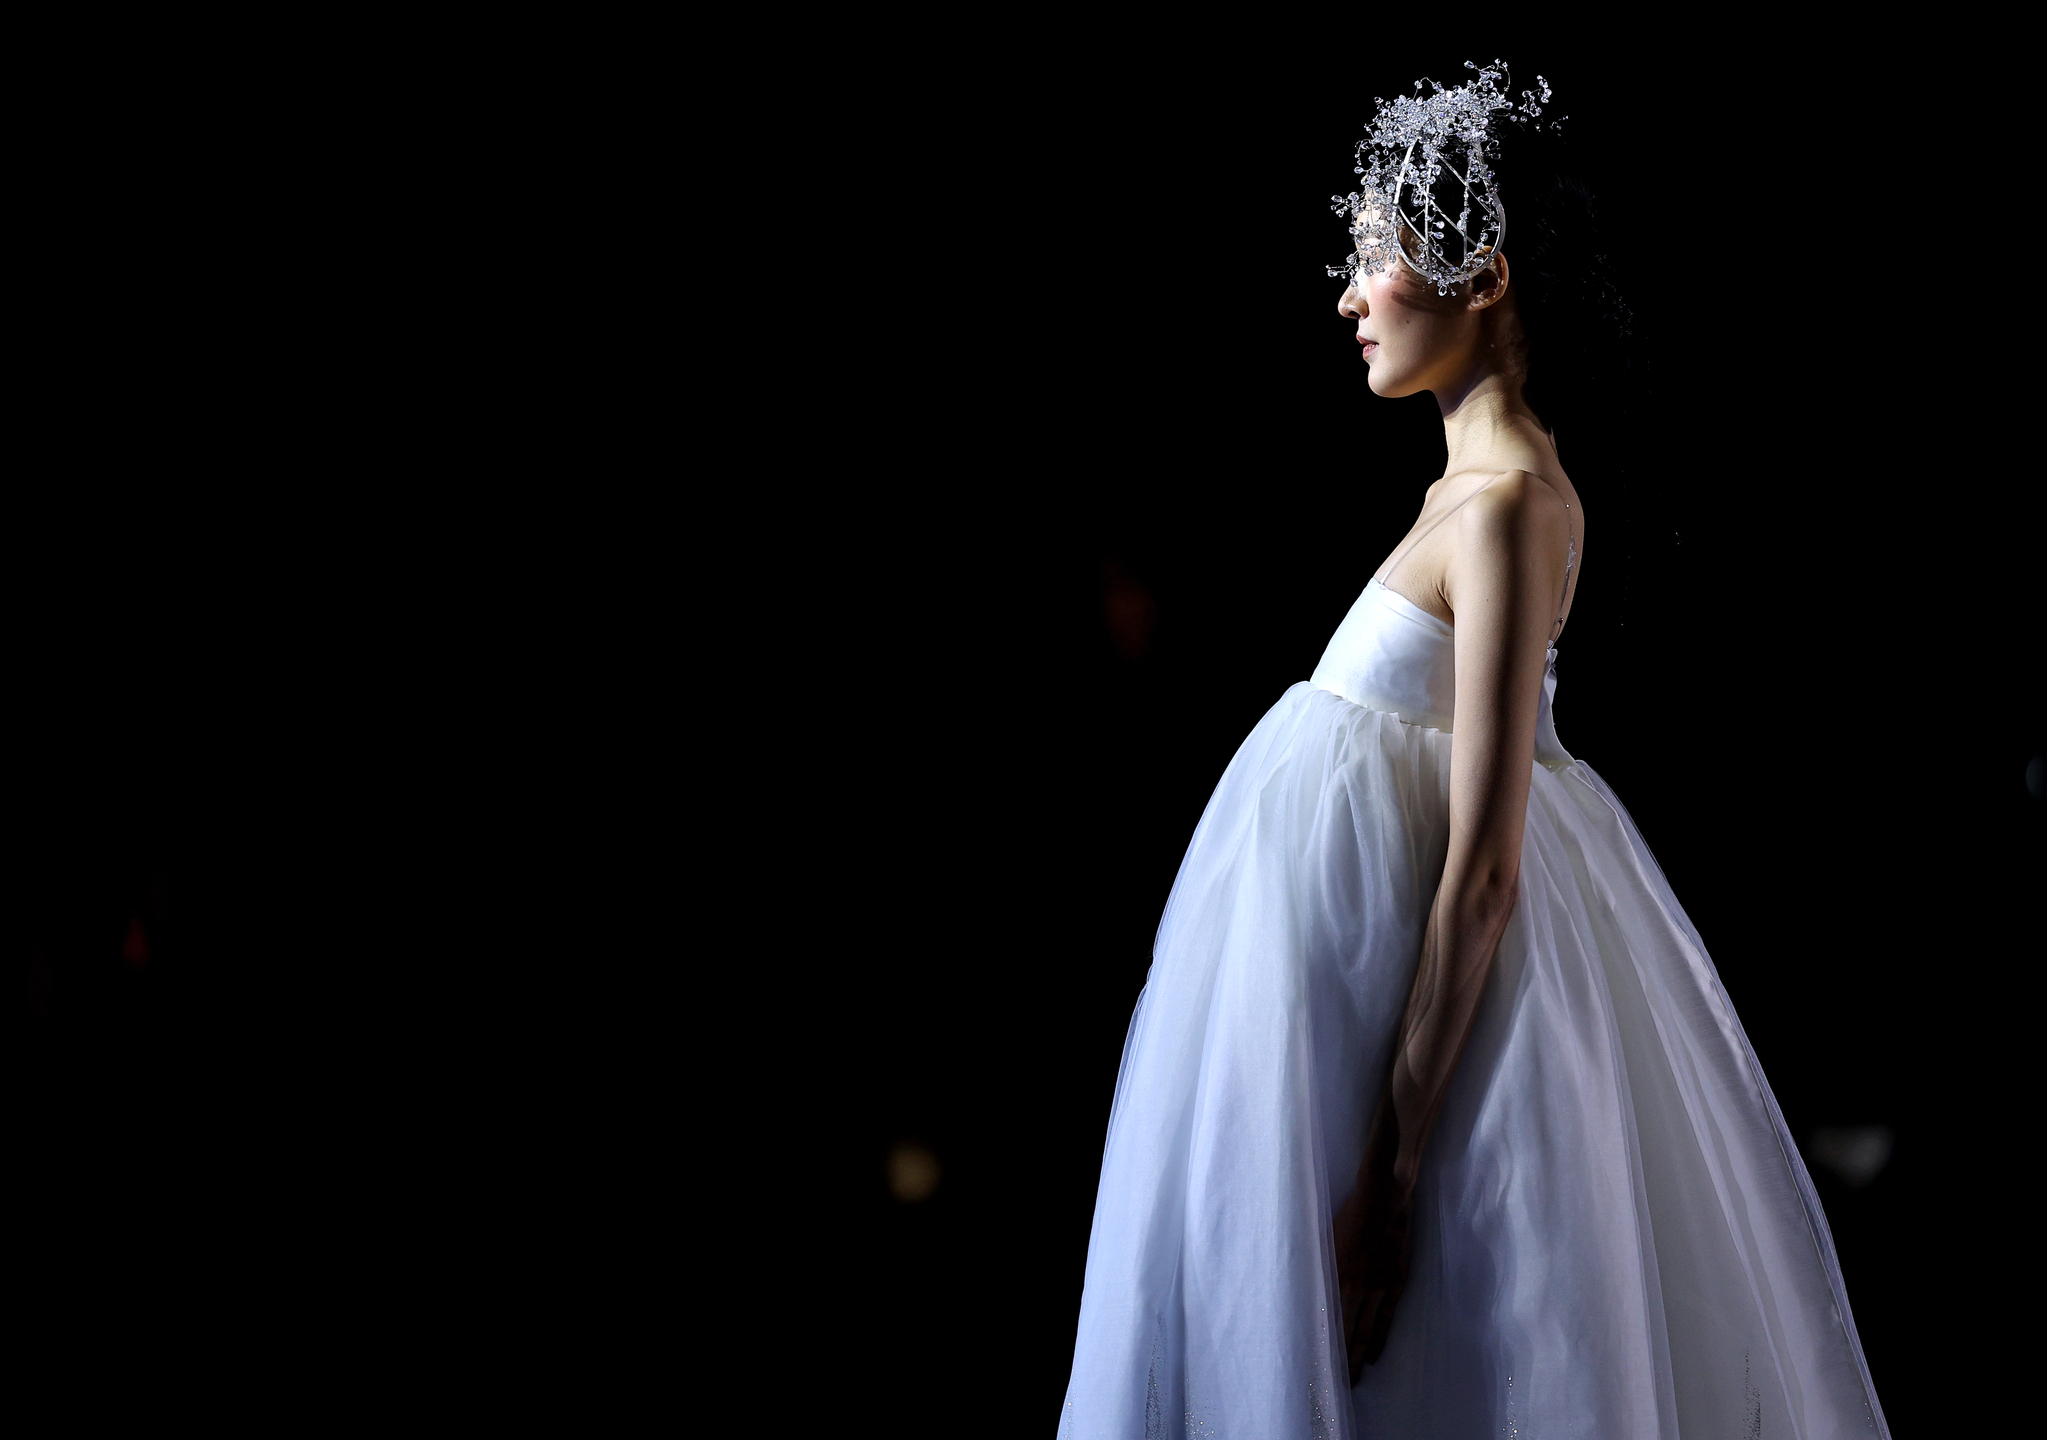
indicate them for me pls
(1576, 326)
(1586, 377)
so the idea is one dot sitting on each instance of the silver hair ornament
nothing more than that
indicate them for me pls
(1427, 196)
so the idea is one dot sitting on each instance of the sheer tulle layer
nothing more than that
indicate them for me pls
(1614, 1235)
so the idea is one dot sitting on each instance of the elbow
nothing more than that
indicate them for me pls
(1488, 895)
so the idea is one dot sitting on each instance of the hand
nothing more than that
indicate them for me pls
(1372, 1246)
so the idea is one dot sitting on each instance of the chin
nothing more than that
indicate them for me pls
(1387, 382)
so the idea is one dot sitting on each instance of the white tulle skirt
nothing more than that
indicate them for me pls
(1614, 1235)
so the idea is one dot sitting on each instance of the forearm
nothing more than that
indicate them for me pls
(1464, 930)
(1465, 925)
(1502, 583)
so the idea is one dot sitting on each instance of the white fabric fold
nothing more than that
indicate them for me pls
(1614, 1235)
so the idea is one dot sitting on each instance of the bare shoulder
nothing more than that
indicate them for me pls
(1516, 508)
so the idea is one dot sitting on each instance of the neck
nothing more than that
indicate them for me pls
(1488, 426)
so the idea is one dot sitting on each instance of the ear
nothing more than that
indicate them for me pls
(1489, 284)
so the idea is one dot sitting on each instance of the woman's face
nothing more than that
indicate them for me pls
(1414, 339)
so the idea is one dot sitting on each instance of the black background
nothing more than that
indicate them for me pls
(1080, 361)
(347, 638)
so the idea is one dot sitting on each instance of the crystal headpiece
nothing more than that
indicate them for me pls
(1427, 193)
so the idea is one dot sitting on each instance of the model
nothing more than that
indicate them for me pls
(1434, 1118)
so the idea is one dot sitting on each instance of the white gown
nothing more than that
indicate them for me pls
(1614, 1236)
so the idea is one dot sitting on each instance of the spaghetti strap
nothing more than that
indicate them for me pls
(1570, 553)
(1409, 549)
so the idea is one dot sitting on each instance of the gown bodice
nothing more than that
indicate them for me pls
(1391, 655)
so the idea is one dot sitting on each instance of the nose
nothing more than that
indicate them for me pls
(1352, 306)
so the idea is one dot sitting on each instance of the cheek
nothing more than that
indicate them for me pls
(1393, 309)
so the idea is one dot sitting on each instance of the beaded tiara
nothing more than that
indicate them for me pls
(1427, 195)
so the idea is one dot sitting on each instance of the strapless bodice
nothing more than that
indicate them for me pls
(1389, 654)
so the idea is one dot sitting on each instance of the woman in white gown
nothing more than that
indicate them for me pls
(1431, 1071)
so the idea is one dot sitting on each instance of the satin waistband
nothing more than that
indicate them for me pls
(1421, 720)
(1549, 754)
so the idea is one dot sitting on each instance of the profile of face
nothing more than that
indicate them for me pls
(1414, 339)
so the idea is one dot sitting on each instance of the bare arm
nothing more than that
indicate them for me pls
(1503, 580)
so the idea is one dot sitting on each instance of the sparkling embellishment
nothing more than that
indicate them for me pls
(1570, 560)
(1322, 1391)
(1321, 1414)
(1751, 1404)
(1429, 159)
(1198, 1427)
(1154, 1412)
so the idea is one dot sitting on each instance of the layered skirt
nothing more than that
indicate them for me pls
(1613, 1234)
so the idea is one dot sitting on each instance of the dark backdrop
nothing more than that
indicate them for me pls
(1106, 474)
(1057, 469)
